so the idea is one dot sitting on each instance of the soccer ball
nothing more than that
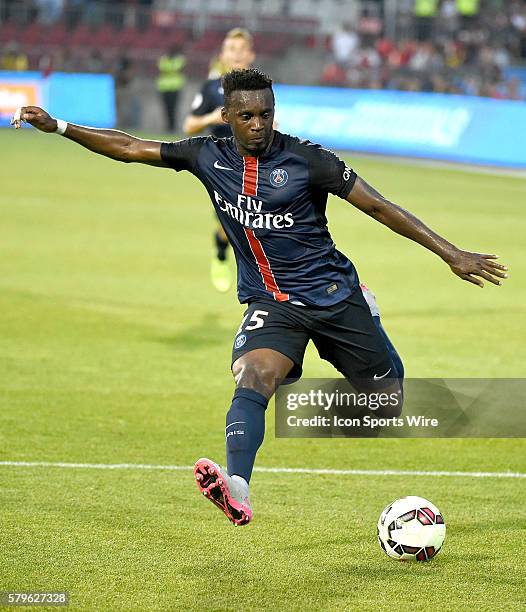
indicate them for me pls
(411, 529)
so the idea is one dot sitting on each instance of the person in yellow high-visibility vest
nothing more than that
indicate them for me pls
(468, 7)
(468, 11)
(425, 12)
(13, 59)
(170, 82)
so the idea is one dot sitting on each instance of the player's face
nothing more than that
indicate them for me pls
(250, 115)
(236, 53)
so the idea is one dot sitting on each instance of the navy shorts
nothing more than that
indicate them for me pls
(344, 334)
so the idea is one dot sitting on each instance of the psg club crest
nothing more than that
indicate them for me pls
(279, 177)
(240, 340)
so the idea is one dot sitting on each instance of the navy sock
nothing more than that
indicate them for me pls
(221, 246)
(395, 357)
(245, 429)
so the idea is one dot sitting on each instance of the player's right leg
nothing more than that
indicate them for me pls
(257, 375)
(269, 346)
(229, 493)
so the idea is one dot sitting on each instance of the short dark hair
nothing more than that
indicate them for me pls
(250, 79)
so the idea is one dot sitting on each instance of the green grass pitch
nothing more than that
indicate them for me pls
(114, 348)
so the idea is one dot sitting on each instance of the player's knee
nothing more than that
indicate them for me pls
(393, 403)
(256, 375)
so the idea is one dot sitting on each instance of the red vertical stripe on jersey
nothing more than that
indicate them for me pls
(250, 176)
(264, 267)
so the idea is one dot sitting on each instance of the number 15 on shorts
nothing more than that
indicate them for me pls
(257, 320)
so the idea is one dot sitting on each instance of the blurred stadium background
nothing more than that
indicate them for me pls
(470, 47)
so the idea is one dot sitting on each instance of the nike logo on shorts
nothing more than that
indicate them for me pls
(376, 377)
(220, 167)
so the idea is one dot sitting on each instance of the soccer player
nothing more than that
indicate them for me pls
(270, 191)
(237, 53)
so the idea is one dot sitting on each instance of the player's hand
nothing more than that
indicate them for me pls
(36, 116)
(473, 267)
(215, 118)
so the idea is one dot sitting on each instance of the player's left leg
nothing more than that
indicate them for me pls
(370, 298)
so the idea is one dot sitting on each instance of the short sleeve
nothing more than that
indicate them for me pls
(182, 154)
(329, 173)
(202, 102)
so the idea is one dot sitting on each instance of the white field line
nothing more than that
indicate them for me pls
(278, 470)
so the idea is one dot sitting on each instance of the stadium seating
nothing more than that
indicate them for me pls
(144, 45)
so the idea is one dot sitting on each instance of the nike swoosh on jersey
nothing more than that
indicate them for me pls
(376, 377)
(220, 167)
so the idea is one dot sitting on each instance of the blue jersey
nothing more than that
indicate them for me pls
(210, 97)
(272, 208)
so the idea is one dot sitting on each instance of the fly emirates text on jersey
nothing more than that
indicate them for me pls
(247, 211)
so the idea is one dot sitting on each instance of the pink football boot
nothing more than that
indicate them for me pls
(226, 492)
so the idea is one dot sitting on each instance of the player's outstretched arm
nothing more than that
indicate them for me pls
(111, 143)
(471, 267)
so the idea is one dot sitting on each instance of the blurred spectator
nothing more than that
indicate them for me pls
(449, 16)
(66, 61)
(94, 11)
(518, 23)
(515, 90)
(369, 58)
(127, 100)
(370, 25)
(74, 12)
(450, 46)
(94, 62)
(468, 10)
(425, 12)
(455, 46)
(13, 58)
(143, 17)
(333, 75)
(49, 11)
(438, 84)
(426, 58)
(453, 54)
(343, 43)
(170, 82)
(45, 65)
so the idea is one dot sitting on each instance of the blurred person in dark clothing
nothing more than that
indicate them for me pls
(127, 103)
(236, 53)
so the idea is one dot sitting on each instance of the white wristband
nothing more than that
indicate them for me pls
(61, 126)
